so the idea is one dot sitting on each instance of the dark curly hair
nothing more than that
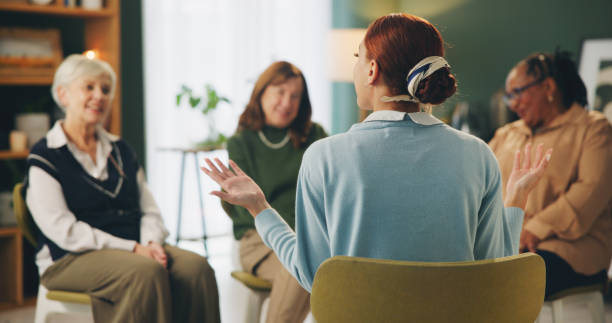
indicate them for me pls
(562, 69)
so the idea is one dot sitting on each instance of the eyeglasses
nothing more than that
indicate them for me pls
(516, 92)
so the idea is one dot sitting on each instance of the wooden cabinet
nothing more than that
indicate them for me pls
(80, 30)
(11, 268)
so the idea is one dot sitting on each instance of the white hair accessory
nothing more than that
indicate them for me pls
(419, 72)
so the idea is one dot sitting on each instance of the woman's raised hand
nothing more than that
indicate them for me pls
(525, 175)
(237, 187)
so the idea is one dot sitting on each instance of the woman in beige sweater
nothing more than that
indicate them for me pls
(568, 215)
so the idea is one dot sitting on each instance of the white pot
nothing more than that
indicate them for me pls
(35, 125)
(91, 4)
(41, 2)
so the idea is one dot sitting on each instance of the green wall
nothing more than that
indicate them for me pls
(132, 84)
(485, 38)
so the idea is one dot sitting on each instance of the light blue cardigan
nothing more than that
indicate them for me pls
(396, 186)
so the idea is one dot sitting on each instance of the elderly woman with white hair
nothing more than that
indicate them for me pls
(100, 229)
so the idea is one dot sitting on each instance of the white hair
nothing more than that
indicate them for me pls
(76, 66)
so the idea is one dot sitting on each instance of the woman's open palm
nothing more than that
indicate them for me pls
(237, 187)
(526, 173)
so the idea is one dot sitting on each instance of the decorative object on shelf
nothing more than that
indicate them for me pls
(206, 104)
(41, 2)
(18, 141)
(596, 72)
(33, 118)
(7, 218)
(91, 4)
(28, 52)
(35, 125)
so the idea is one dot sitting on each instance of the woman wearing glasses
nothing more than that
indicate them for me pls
(568, 216)
(400, 185)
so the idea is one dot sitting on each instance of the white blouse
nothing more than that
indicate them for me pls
(45, 200)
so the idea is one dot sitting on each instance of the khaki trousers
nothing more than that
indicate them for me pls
(125, 287)
(289, 301)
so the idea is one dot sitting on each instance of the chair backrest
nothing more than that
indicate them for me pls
(351, 289)
(24, 218)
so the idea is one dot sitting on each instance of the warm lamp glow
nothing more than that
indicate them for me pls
(343, 44)
(91, 54)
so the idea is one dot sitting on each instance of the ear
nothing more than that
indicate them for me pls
(373, 72)
(61, 95)
(550, 87)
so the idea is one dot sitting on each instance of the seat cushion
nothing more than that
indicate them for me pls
(576, 290)
(251, 281)
(69, 297)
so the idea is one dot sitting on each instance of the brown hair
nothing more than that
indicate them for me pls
(397, 42)
(253, 116)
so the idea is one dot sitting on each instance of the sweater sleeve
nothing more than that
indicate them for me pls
(499, 229)
(152, 228)
(302, 251)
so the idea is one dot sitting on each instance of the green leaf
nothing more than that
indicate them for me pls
(194, 101)
(178, 99)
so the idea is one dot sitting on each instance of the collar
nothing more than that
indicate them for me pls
(56, 137)
(422, 118)
(572, 114)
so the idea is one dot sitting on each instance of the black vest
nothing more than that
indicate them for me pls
(112, 206)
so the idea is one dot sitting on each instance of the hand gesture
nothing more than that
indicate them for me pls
(153, 251)
(525, 175)
(159, 254)
(238, 187)
(529, 241)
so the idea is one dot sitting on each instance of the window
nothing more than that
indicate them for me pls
(226, 43)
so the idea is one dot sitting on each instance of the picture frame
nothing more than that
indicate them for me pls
(596, 72)
(26, 52)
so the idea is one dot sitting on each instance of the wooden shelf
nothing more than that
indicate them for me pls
(7, 154)
(26, 80)
(8, 231)
(57, 10)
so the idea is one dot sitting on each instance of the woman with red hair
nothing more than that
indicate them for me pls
(401, 184)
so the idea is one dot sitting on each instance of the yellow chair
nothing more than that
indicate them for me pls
(48, 301)
(259, 291)
(350, 289)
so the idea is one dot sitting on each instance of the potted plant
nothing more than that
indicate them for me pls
(206, 103)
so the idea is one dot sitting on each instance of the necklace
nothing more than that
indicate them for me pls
(270, 144)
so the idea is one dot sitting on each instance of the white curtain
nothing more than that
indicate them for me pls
(226, 43)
